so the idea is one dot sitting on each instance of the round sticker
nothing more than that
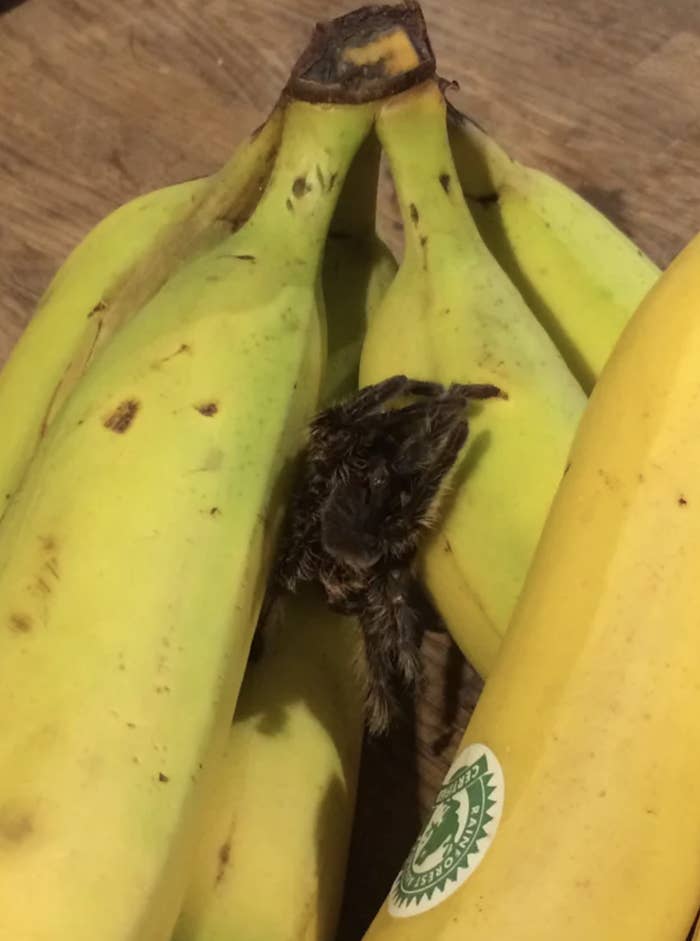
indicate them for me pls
(455, 839)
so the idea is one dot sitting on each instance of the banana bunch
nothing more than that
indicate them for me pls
(154, 415)
(133, 421)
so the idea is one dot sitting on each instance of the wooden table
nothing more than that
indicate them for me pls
(100, 101)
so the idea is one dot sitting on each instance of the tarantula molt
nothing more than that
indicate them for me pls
(368, 489)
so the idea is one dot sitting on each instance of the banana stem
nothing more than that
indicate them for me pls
(412, 129)
(317, 147)
(371, 53)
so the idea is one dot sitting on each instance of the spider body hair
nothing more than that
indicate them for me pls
(369, 487)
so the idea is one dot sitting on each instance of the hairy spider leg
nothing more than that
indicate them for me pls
(419, 508)
(381, 703)
(345, 588)
(476, 390)
(297, 556)
(425, 412)
(361, 404)
(401, 596)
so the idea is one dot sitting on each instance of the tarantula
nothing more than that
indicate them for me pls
(368, 490)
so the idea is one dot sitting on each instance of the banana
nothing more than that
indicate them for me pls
(566, 812)
(121, 263)
(289, 842)
(278, 822)
(580, 275)
(270, 859)
(451, 315)
(133, 558)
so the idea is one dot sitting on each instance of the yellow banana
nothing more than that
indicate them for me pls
(119, 266)
(133, 557)
(567, 813)
(270, 859)
(451, 315)
(278, 822)
(299, 719)
(580, 275)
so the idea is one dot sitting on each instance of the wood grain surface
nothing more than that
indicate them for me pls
(100, 101)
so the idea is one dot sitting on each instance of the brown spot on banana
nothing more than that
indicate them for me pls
(207, 409)
(120, 420)
(20, 623)
(224, 858)
(423, 243)
(15, 826)
(183, 348)
(95, 339)
(97, 309)
(300, 187)
(49, 408)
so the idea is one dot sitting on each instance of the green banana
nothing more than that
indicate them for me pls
(133, 558)
(452, 315)
(270, 858)
(279, 820)
(116, 269)
(579, 274)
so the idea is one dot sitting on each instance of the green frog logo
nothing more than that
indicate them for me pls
(455, 839)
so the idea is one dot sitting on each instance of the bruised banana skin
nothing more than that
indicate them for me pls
(592, 709)
(113, 272)
(292, 755)
(578, 272)
(452, 315)
(133, 560)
